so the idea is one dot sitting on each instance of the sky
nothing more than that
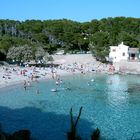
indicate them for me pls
(76, 10)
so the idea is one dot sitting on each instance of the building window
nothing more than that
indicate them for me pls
(123, 54)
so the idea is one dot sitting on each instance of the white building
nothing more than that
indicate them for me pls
(118, 53)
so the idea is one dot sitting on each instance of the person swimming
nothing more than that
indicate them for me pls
(25, 84)
(90, 83)
(28, 83)
(37, 91)
(57, 82)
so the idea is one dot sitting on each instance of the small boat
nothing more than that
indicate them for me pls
(54, 90)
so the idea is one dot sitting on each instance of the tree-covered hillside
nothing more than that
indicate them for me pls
(52, 35)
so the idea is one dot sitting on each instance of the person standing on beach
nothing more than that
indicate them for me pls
(32, 77)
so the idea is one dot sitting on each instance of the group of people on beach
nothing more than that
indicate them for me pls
(11, 74)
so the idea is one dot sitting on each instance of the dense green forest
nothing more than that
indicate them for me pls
(32, 39)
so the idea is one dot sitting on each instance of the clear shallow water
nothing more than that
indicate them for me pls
(113, 108)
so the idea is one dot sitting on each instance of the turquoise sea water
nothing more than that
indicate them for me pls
(110, 102)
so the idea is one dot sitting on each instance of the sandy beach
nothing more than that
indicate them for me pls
(68, 64)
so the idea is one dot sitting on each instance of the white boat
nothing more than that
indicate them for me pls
(54, 90)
